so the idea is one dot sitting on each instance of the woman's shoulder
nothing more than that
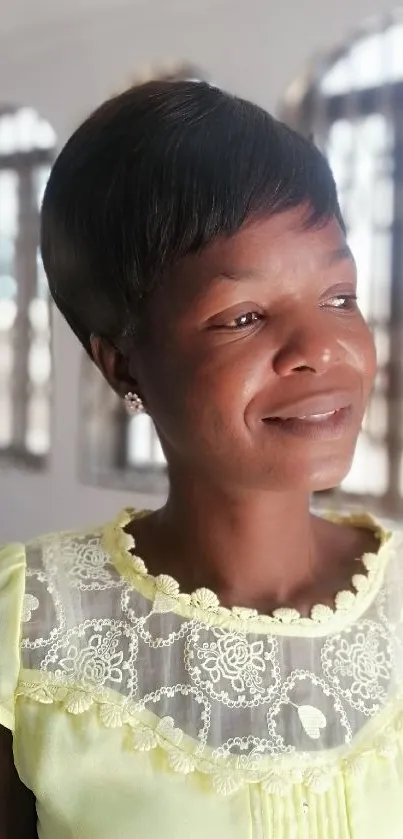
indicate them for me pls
(58, 560)
(63, 569)
(70, 554)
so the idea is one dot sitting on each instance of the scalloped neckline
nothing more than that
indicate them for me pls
(203, 603)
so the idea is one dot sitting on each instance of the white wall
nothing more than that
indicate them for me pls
(63, 59)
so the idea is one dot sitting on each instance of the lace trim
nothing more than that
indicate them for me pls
(277, 774)
(203, 604)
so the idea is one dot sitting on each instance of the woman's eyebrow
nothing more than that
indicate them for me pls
(332, 258)
(243, 274)
(338, 255)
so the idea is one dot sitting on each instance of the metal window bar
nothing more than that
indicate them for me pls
(25, 273)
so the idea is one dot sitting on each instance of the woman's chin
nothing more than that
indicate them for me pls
(308, 476)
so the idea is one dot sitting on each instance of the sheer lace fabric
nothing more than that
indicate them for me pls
(233, 703)
(219, 696)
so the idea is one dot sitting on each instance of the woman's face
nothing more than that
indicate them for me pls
(259, 364)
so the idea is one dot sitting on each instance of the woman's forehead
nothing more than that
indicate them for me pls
(264, 248)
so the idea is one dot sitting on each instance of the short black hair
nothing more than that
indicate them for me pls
(154, 174)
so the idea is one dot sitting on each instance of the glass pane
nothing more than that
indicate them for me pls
(41, 278)
(8, 299)
(360, 158)
(369, 472)
(375, 134)
(24, 127)
(8, 203)
(39, 316)
(39, 362)
(140, 441)
(8, 137)
(23, 131)
(39, 370)
(366, 65)
(382, 342)
(393, 52)
(158, 454)
(337, 79)
(371, 61)
(38, 422)
(8, 288)
(377, 416)
(342, 137)
(8, 312)
(144, 448)
(381, 253)
(383, 202)
(25, 366)
(6, 367)
(45, 137)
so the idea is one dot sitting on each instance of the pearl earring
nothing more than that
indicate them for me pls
(134, 404)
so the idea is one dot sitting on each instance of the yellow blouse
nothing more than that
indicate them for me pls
(140, 711)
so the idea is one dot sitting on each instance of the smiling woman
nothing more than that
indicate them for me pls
(226, 666)
(252, 316)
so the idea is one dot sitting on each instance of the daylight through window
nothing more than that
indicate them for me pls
(27, 146)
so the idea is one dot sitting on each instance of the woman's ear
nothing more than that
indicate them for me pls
(114, 365)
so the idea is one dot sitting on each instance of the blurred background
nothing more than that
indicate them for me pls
(69, 454)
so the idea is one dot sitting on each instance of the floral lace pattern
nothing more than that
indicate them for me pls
(218, 694)
(360, 669)
(232, 658)
(101, 661)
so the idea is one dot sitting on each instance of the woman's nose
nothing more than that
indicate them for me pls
(311, 349)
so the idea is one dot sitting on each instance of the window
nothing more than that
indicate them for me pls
(119, 450)
(27, 145)
(354, 110)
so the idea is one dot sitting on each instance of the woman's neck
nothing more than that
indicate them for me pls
(251, 548)
(245, 547)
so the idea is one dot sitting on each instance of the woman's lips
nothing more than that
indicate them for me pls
(317, 405)
(319, 426)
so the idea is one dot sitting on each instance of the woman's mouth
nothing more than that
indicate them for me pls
(324, 417)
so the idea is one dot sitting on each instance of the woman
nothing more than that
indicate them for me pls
(228, 665)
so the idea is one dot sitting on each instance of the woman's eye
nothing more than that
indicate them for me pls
(344, 301)
(243, 321)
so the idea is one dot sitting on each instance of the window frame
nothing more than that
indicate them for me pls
(24, 164)
(312, 115)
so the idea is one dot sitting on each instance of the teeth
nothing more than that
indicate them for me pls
(317, 417)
